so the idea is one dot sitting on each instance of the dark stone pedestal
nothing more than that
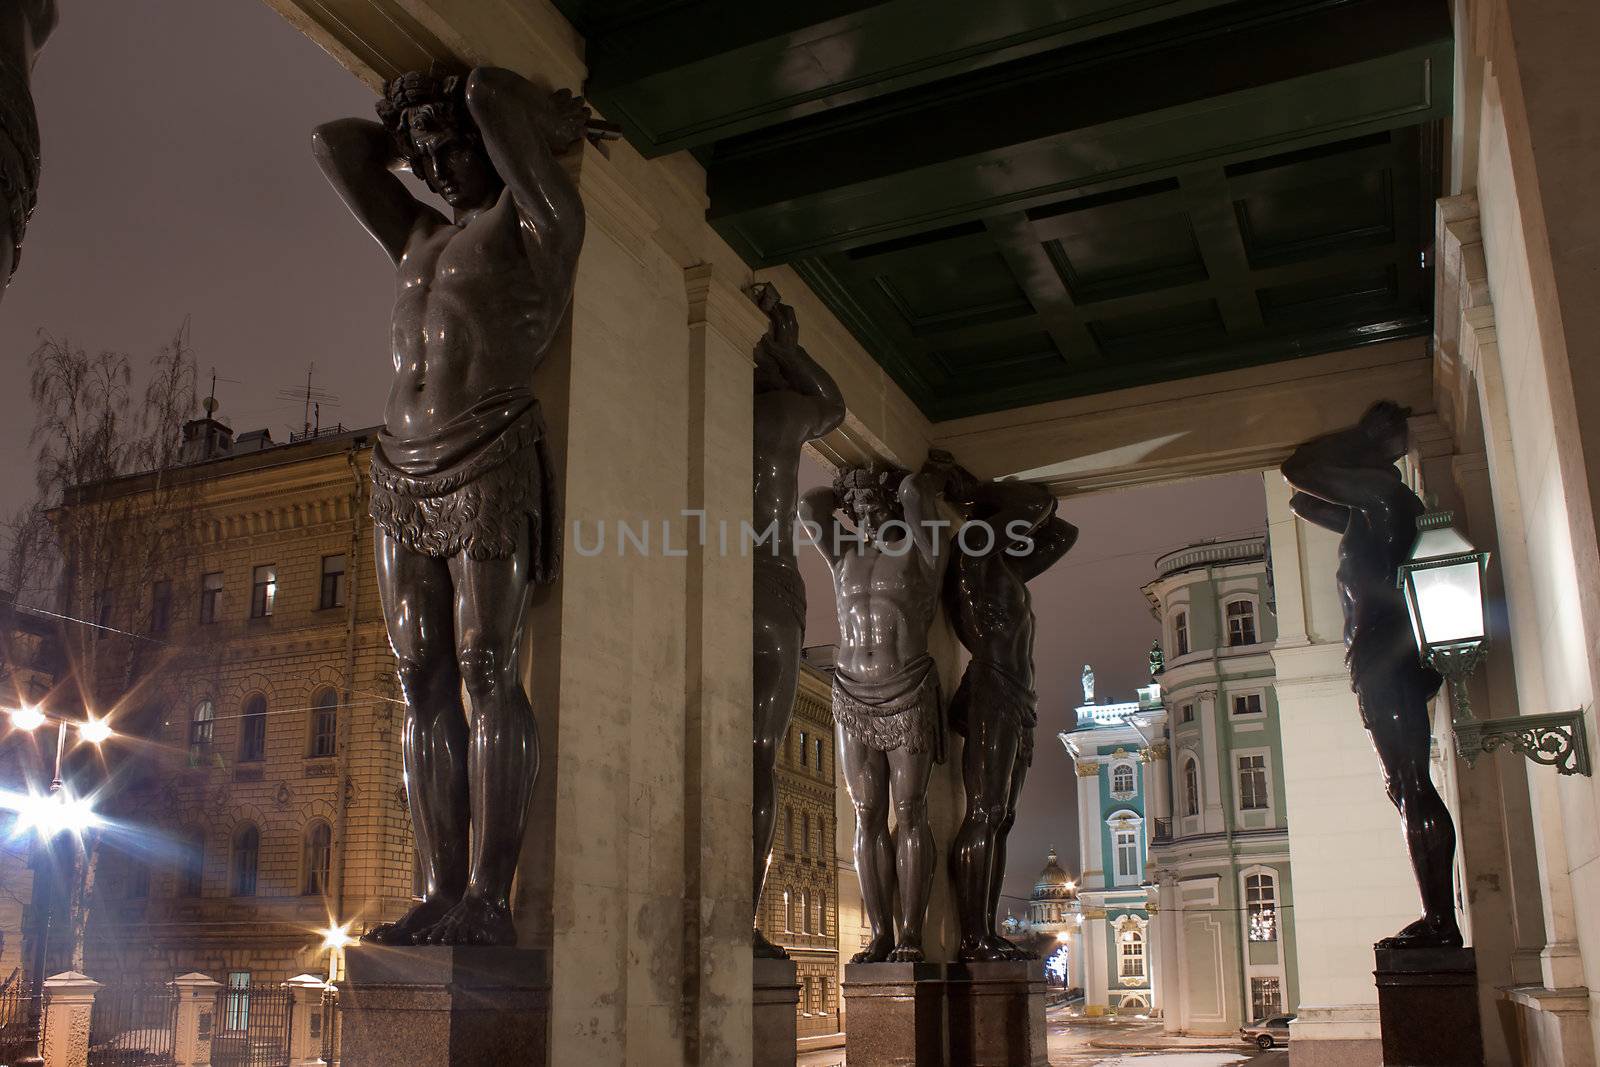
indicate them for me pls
(441, 1005)
(996, 1013)
(775, 995)
(896, 1014)
(1428, 1007)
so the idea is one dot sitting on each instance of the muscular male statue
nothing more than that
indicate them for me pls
(1347, 482)
(885, 686)
(796, 401)
(463, 497)
(24, 25)
(1012, 535)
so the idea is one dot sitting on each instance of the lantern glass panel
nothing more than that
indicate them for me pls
(1448, 603)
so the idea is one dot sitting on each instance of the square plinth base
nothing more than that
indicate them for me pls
(996, 1014)
(775, 993)
(1428, 1007)
(444, 1005)
(896, 1013)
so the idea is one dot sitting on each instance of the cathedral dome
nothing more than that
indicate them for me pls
(1054, 883)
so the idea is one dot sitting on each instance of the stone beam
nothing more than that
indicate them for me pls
(1214, 424)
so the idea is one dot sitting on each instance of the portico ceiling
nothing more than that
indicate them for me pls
(1017, 201)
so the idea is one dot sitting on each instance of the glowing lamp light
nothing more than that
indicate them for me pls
(50, 814)
(1443, 580)
(95, 731)
(27, 717)
(1063, 936)
(337, 937)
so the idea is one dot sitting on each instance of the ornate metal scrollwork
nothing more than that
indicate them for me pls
(1556, 740)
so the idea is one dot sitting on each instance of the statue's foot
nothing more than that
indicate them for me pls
(982, 949)
(404, 931)
(766, 950)
(1012, 950)
(1425, 933)
(877, 950)
(474, 921)
(906, 952)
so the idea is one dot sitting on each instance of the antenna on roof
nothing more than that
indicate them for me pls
(210, 404)
(313, 399)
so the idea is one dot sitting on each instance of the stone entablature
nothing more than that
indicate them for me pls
(1212, 554)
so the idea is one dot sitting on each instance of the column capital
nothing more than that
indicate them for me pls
(1087, 768)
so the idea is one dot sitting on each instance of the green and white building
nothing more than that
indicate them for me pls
(1219, 851)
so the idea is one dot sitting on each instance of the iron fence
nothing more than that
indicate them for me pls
(133, 1026)
(16, 1037)
(326, 1027)
(252, 1027)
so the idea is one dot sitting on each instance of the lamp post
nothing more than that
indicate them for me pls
(1443, 581)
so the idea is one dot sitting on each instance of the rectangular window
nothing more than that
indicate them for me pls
(138, 881)
(805, 909)
(1180, 633)
(819, 755)
(1132, 956)
(1127, 845)
(236, 1016)
(1261, 905)
(1247, 704)
(332, 594)
(1241, 623)
(1266, 998)
(324, 724)
(822, 913)
(1187, 715)
(160, 606)
(804, 740)
(805, 833)
(263, 591)
(1253, 783)
(105, 607)
(253, 731)
(211, 596)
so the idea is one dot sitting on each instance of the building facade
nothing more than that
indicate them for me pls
(1119, 754)
(1220, 848)
(800, 901)
(266, 801)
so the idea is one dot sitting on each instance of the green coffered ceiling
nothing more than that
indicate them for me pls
(1012, 201)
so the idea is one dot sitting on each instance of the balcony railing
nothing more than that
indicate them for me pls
(1162, 831)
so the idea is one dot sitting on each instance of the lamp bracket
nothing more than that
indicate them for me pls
(1557, 740)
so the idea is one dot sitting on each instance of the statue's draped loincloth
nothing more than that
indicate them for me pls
(899, 712)
(778, 583)
(990, 691)
(1382, 658)
(481, 486)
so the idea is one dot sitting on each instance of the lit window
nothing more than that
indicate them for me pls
(1241, 623)
(1247, 704)
(1132, 955)
(1191, 787)
(1180, 633)
(1266, 998)
(253, 730)
(263, 591)
(1253, 783)
(1127, 846)
(246, 856)
(324, 723)
(210, 596)
(1261, 904)
(236, 1018)
(1122, 778)
(201, 724)
(319, 859)
(332, 593)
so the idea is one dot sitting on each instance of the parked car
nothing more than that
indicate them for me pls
(1267, 1033)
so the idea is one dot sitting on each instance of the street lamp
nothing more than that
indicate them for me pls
(1444, 583)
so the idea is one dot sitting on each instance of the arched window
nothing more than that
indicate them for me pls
(805, 833)
(246, 860)
(822, 913)
(201, 723)
(805, 909)
(1131, 954)
(1180, 634)
(253, 730)
(788, 829)
(1122, 778)
(319, 858)
(192, 861)
(1241, 623)
(1261, 905)
(324, 722)
(788, 912)
(1191, 787)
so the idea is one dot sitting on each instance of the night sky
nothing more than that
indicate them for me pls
(178, 183)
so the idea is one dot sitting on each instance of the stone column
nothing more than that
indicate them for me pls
(1075, 959)
(68, 1000)
(1212, 767)
(1091, 827)
(1168, 931)
(195, 1020)
(1157, 769)
(1095, 996)
(305, 1035)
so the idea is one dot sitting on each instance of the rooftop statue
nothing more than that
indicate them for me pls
(1019, 536)
(1347, 482)
(795, 402)
(24, 25)
(1088, 684)
(1158, 659)
(886, 569)
(463, 496)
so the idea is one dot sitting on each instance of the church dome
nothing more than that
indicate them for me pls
(1054, 883)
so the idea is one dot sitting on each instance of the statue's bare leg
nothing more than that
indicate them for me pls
(417, 597)
(503, 758)
(987, 763)
(997, 877)
(776, 666)
(1395, 709)
(915, 854)
(866, 776)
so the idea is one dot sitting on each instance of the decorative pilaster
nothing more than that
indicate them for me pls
(194, 1022)
(305, 1045)
(68, 1001)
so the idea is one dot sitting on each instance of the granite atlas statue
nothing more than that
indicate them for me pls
(1347, 482)
(24, 25)
(463, 498)
(1018, 537)
(886, 570)
(795, 402)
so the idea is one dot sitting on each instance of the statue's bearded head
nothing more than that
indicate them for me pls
(1384, 423)
(870, 496)
(427, 116)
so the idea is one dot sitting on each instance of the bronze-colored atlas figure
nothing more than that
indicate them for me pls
(1012, 535)
(886, 700)
(463, 498)
(795, 402)
(1347, 482)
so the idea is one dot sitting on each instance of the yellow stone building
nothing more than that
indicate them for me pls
(800, 901)
(270, 804)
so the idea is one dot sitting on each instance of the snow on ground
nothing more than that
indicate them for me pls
(1176, 1059)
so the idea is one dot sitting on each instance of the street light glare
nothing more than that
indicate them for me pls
(49, 814)
(335, 937)
(27, 717)
(95, 731)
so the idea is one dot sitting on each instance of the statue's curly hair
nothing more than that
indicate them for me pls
(880, 478)
(441, 90)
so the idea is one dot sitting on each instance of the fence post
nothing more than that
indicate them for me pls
(305, 1020)
(68, 1001)
(195, 1019)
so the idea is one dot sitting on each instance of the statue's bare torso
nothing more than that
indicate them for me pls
(886, 604)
